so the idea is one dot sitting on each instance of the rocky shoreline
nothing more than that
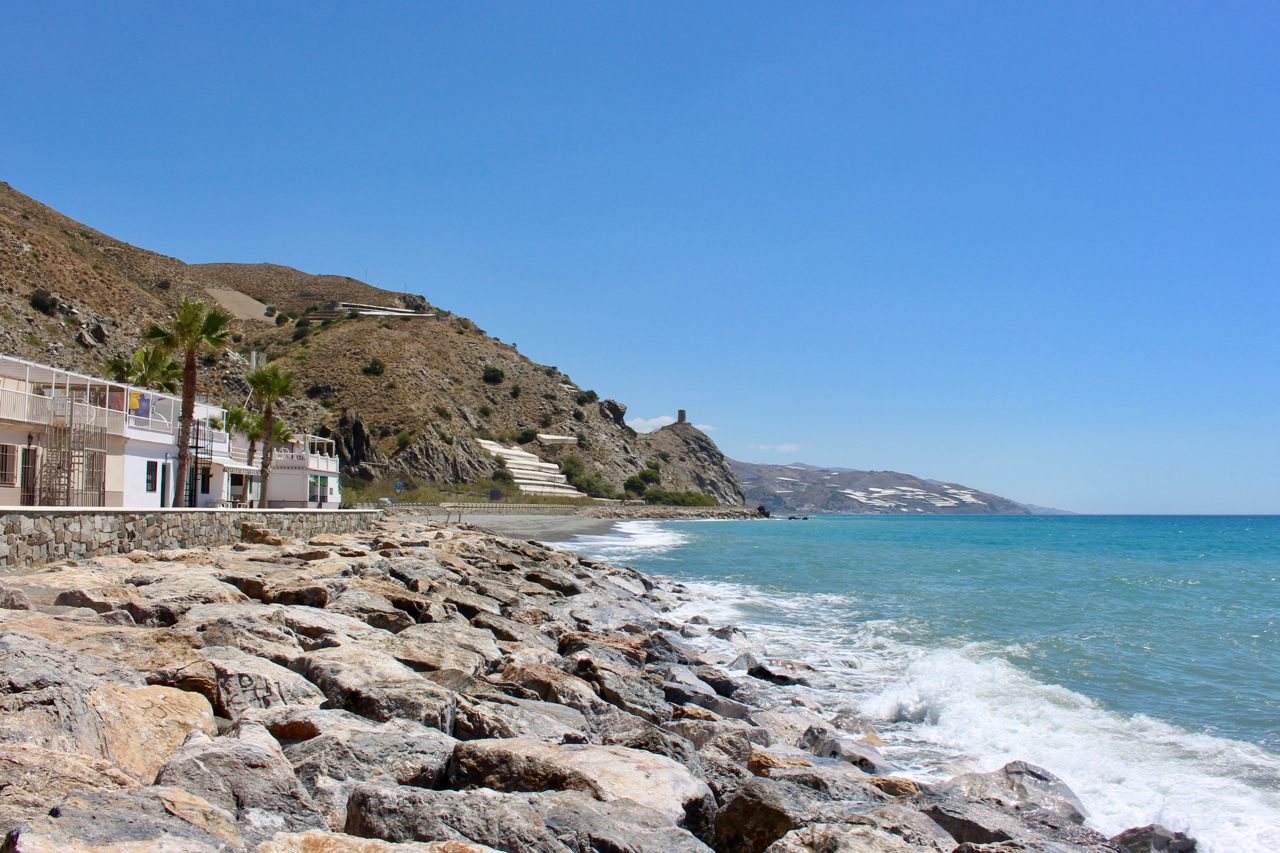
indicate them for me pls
(423, 687)
(673, 513)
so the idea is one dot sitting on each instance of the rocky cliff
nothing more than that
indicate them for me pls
(406, 397)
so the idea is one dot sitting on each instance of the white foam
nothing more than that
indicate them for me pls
(945, 711)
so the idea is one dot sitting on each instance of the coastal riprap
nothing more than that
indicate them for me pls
(423, 687)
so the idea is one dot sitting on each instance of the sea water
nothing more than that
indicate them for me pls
(1134, 657)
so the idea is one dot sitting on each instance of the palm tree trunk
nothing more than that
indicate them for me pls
(184, 424)
(268, 421)
(248, 487)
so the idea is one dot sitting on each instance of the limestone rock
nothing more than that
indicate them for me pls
(823, 743)
(1020, 786)
(254, 629)
(34, 780)
(377, 686)
(243, 681)
(625, 687)
(317, 841)
(247, 774)
(551, 822)
(552, 685)
(840, 838)
(758, 814)
(1154, 838)
(606, 772)
(149, 820)
(506, 717)
(12, 598)
(371, 608)
(156, 604)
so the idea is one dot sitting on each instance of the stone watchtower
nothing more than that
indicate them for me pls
(680, 418)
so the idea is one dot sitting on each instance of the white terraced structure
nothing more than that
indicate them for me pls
(531, 474)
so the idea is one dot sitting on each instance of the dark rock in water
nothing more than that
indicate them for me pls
(669, 647)
(154, 818)
(247, 775)
(720, 681)
(821, 742)
(553, 822)
(1154, 838)
(1020, 786)
(775, 675)
(758, 814)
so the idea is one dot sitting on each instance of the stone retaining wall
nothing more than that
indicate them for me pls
(34, 536)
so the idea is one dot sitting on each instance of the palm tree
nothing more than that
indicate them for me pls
(193, 329)
(236, 419)
(253, 432)
(150, 367)
(268, 385)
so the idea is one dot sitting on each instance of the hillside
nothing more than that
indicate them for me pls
(416, 417)
(810, 489)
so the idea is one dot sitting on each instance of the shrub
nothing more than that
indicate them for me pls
(465, 323)
(549, 396)
(634, 485)
(579, 415)
(595, 486)
(303, 322)
(526, 435)
(270, 311)
(310, 308)
(444, 436)
(582, 440)
(545, 420)
(403, 440)
(237, 338)
(654, 465)
(650, 476)
(315, 391)
(664, 456)
(550, 371)
(44, 301)
(353, 315)
(493, 375)
(485, 411)
(375, 367)
(515, 390)
(443, 412)
(664, 498)
(503, 477)
(301, 332)
(162, 284)
(282, 319)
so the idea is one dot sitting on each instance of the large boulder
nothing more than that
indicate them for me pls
(553, 685)
(34, 780)
(759, 813)
(825, 743)
(1019, 786)
(155, 604)
(551, 822)
(377, 686)
(148, 820)
(332, 751)
(506, 717)
(371, 608)
(68, 702)
(254, 629)
(318, 841)
(608, 773)
(840, 838)
(234, 682)
(625, 687)
(247, 774)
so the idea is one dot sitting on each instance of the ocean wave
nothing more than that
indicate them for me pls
(968, 708)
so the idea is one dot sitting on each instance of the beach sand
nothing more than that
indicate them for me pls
(541, 528)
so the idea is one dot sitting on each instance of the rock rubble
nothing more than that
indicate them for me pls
(424, 687)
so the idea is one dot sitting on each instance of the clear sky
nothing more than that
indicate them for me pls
(1029, 247)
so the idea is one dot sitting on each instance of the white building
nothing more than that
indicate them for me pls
(67, 439)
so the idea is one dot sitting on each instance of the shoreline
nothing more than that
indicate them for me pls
(426, 682)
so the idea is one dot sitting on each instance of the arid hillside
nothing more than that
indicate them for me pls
(406, 397)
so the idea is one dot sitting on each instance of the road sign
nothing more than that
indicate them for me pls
(399, 488)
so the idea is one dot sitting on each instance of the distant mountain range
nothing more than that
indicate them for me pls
(801, 488)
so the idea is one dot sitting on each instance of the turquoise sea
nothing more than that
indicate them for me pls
(1136, 657)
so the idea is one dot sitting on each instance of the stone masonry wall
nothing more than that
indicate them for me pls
(36, 536)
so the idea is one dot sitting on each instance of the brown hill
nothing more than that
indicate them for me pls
(430, 387)
(809, 489)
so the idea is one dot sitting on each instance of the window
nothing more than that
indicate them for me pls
(152, 468)
(237, 481)
(8, 464)
(206, 474)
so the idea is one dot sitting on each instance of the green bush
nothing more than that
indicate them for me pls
(310, 308)
(515, 390)
(582, 440)
(650, 476)
(303, 322)
(549, 396)
(282, 319)
(595, 486)
(545, 420)
(485, 411)
(270, 311)
(579, 415)
(444, 436)
(403, 440)
(44, 301)
(571, 466)
(162, 284)
(375, 367)
(443, 412)
(503, 477)
(634, 485)
(663, 498)
(654, 465)
(493, 375)
(301, 332)
(664, 456)
(353, 315)
(526, 436)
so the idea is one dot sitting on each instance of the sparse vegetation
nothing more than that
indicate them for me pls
(584, 397)
(664, 456)
(282, 319)
(579, 415)
(545, 420)
(403, 440)
(493, 375)
(649, 476)
(301, 332)
(485, 411)
(664, 498)
(444, 436)
(526, 435)
(162, 284)
(443, 412)
(515, 390)
(44, 301)
(375, 367)
(594, 484)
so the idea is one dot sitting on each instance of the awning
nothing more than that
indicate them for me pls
(237, 467)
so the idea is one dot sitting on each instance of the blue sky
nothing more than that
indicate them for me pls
(1032, 248)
